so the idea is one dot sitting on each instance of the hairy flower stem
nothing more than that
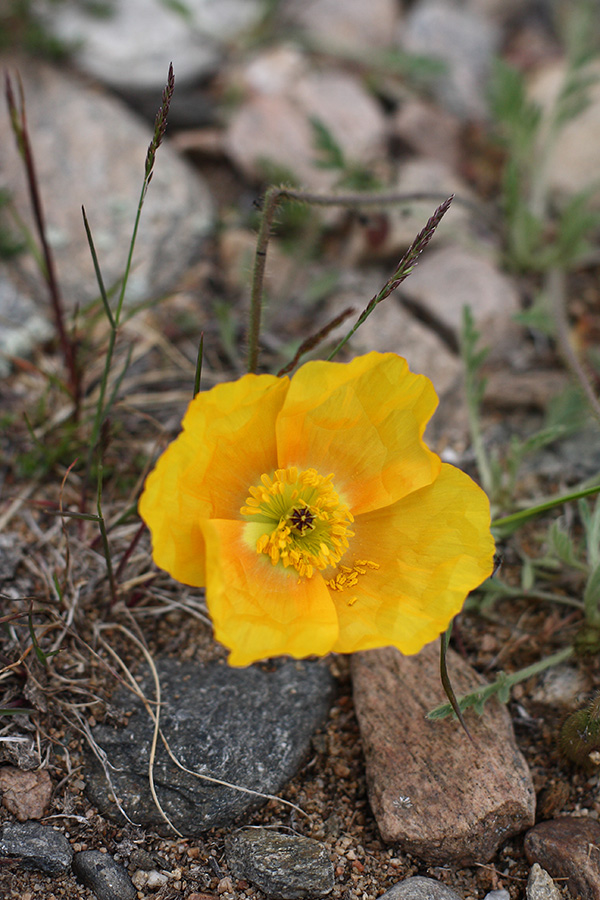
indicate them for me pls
(274, 195)
(18, 119)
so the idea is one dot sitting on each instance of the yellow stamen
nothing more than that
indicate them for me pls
(347, 577)
(306, 525)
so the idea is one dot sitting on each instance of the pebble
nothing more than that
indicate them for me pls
(433, 793)
(567, 848)
(500, 11)
(272, 126)
(563, 685)
(351, 26)
(420, 888)
(573, 459)
(429, 131)
(251, 727)
(501, 894)
(540, 886)
(37, 847)
(89, 149)
(285, 866)
(150, 881)
(464, 41)
(25, 794)
(103, 875)
(404, 220)
(573, 163)
(134, 44)
(450, 278)
(391, 327)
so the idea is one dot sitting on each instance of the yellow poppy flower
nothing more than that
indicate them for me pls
(314, 513)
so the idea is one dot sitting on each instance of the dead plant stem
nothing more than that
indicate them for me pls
(18, 118)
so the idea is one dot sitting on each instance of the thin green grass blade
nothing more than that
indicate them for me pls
(516, 519)
(99, 279)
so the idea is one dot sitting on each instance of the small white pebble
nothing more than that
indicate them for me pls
(140, 879)
(159, 879)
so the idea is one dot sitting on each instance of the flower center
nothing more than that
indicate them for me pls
(306, 526)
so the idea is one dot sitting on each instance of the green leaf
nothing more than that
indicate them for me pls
(562, 545)
(591, 524)
(331, 154)
(591, 597)
(527, 575)
(509, 523)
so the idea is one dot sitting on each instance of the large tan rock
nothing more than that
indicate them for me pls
(435, 794)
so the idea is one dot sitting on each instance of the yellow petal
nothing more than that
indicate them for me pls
(260, 610)
(227, 442)
(432, 547)
(364, 422)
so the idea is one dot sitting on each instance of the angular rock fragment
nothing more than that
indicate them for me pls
(37, 847)
(420, 888)
(433, 792)
(285, 866)
(25, 794)
(540, 886)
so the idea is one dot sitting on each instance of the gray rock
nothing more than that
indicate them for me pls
(286, 866)
(103, 875)
(405, 220)
(429, 131)
(564, 686)
(540, 886)
(392, 328)
(134, 44)
(22, 326)
(249, 727)
(37, 847)
(90, 150)
(501, 894)
(447, 280)
(573, 459)
(420, 888)
(500, 11)
(464, 41)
